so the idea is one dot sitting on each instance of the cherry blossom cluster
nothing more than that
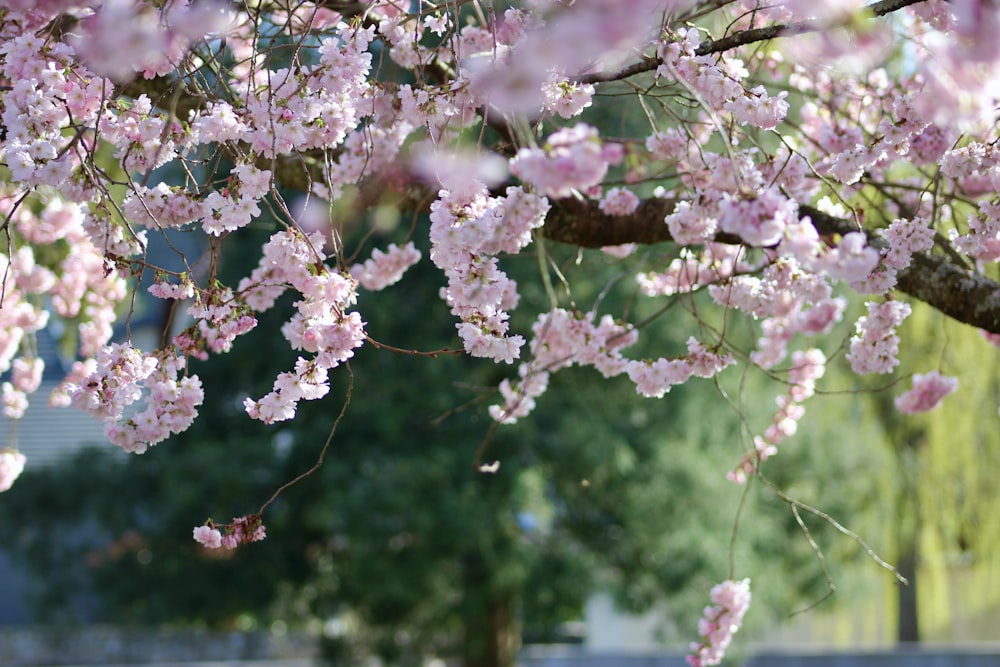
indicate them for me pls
(114, 381)
(713, 264)
(321, 324)
(242, 530)
(692, 223)
(929, 389)
(162, 288)
(108, 386)
(875, 345)
(312, 107)
(231, 208)
(739, 179)
(807, 367)
(162, 206)
(171, 407)
(42, 102)
(219, 318)
(719, 82)
(468, 229)
(619, 201)
(385, 268)
(654, 378)
(960, 73)
(308, 382)
(501, 61)
(852, 260)
(566, 98)
(572, 159)
(155, 40)
(11, 466)
(788, 299)
(983, 238)
(20, 318)
(720, 622)
(26, 377)
(905, 238)
(562, 339)
(760, 220)
(873, 123)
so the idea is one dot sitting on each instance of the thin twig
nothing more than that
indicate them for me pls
(832, 588)
(838, 526)
(326, 445)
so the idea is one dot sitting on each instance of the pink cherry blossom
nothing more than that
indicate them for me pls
(242, 530)
(385, 268)
(570, 159)
(720, 622)
(619, 201)
(929, 389)
(11, 465)
(208, 537)
(875, 346)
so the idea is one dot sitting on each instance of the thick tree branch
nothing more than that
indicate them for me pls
(743, 38)
(955, 291)
(770, 32)
(959, 293)
(582, 223)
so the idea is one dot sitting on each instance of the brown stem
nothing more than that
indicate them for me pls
(742, 38)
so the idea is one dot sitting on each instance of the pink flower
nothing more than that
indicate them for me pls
(27, 374)
(571, 159)
(690, 224)
(208, 537)
(927, 393)
(566, 98)
(11, 466)
(13, 402)
(720, 622)
(760, 219)
(655, 378)
(242, 530)
(385, 268)
(875, 345)
(619, 201)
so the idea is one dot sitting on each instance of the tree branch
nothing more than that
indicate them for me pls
(964, 295)
(743, 38)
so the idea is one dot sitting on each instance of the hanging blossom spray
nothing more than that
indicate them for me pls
(720, 622)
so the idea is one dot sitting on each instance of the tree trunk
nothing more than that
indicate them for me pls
(908, 629)
(907, 441)
(908, 533)
(491, 634)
